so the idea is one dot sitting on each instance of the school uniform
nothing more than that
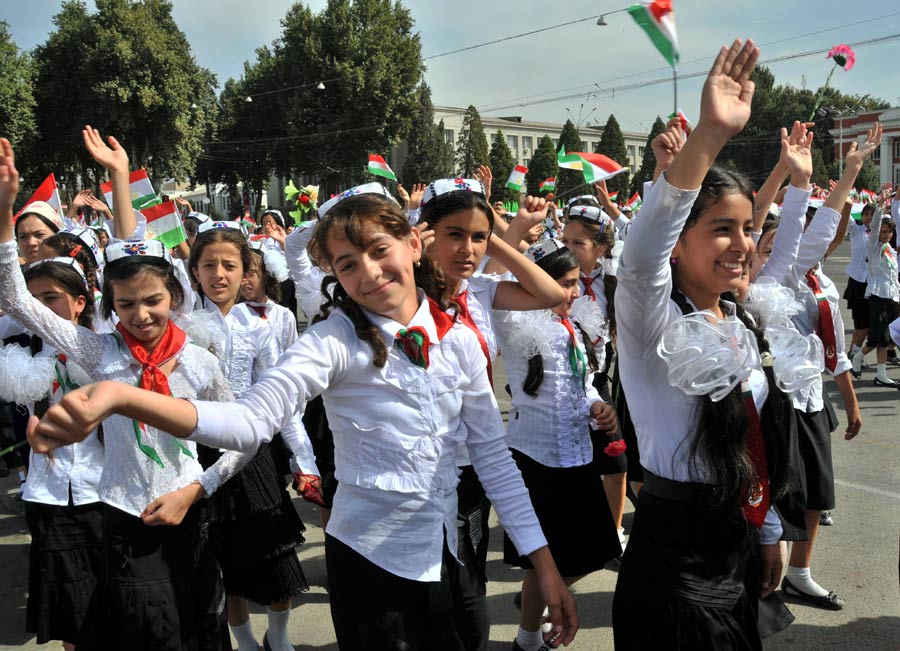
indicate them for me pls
(882, 290)
(857, 271)
(699, 559)
(550, 437)
(397, 431)
(159, 586)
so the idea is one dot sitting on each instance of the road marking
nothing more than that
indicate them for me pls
(868, 489)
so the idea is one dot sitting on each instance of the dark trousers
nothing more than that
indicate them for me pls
(374, 610)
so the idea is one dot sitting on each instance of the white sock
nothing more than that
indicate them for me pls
(622, 542)
(882, 373)
(853, 349)
(802, 580)
(278, 629)
(856, 359)
(244, 636)
(529, 640)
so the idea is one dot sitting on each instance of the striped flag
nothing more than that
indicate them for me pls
(658, 20)
(548, 185)
(516, 178)
(598, 168)
(46, 191)
(142, 193)
(613, 196)
(635, 202)
(164, 224)
(248, 223)
(571, 161)
(378, 167)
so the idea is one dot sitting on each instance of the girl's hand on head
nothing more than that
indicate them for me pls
(728, 91)
(9, 179)
(796, 153)
(113, 157)
(858, 154)
(170, 509)
(415, 199)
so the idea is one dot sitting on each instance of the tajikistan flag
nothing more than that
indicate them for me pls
(142, 193)
(613, 196)
(548, 185)
(658, 20)
(516, 178)
(378, 167)
(635, 202)
(164, 224)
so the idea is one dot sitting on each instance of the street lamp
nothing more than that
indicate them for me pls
(840, 112)
(602, 20)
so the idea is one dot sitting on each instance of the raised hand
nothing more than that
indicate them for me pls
(728, 91)
(484, 174)
(415, 198)
(857, 155)
(79, 201)
(666, 146)
(403, 195)
(796, 153)
(426, 234)
(276, 232)
(113, 157)
(99, 206)
(533, 210)
(9, 179)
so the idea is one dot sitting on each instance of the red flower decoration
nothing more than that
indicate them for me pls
(843, 55)
(304, 199)
(615, 448)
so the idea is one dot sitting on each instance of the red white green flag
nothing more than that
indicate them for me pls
(142, 193)
(635, 202)
(164, 224)
(46, 191)
(658, 20)
(248, 223)
(613, 196)
(548, 185)
(378, 167)
(516, 178)
(597, 167)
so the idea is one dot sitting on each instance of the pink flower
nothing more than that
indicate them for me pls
(843, 55)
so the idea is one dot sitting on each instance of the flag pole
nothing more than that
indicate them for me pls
(675, 86)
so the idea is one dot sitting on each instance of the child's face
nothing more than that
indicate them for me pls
(578, 239)
(220, 272)
(142, 303)
(885, 234)
(763, 251)
(30, 232)
(460, 242)
(51, 294)
(379, 277)
(569, 282)
(253, 287)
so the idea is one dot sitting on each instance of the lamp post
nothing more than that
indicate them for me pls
(840, 112)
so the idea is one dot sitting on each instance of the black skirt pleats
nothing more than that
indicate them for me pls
(855, 295)
(882, 312)
(64, 566)
(160, 588)
(791, 506)
(472, 532)
(814, 440)
(256, 531)
(571, 506)
(689, 578)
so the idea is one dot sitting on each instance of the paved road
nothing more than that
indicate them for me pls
(857, 557)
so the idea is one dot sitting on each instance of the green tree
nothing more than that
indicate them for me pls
(448, 155)
(648, 162)
(612, 145)
(502, 164)
(820, 171)
(472, 145)
(16, 97)
(569, 180)
(425, 142)
(543, 165)
(869, 177)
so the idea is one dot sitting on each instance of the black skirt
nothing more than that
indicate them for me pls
(882, 311)
(64, 567)
(159, 590)
(256, 530)
(374, 610)
(626, 426)
(858, 304)
(689, 576)
(472, 530)
(571, 506)
(814, 441)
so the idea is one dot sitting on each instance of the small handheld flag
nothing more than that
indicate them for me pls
(378, 167)
(517, 178)
(548, 185)
(46, 191)
(164, 224)
(142, 193)
(658, 20)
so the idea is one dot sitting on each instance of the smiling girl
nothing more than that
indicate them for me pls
(403, 385)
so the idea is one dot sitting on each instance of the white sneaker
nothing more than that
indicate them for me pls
(857, 362)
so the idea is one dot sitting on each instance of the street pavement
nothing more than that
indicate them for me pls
(857, 557)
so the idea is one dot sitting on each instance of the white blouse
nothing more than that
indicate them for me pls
(306, 276)
(858, 267)
(665, 418)
(396, 431)
(553, 427)
(883, 281)
(130, 479)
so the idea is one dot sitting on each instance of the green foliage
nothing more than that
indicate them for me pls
(869, 177)
(569, 180)
(471, 146)
(648, 162)
(612, 145)
(502, 164)
(128, 71)
(425, 154)
(543, 165)
(820, 174)
(16, 97)
(448, 155)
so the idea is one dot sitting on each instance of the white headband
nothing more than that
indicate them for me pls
(445, 186)
(584, 197)
(231, 226)
(542, 249)
(365, 188)
(588, 213)
(141, 248)
(88, 239)
(69, 262)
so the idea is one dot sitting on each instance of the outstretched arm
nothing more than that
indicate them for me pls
(114, 158)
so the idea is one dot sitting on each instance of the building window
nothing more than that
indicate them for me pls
(526, 161)
(513, 142)
(897, 148)
(631, 156)
(527, 143)
(876, 155)
(448, 136)
(555, 143)
(641, 153)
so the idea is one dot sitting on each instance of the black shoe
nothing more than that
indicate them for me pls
(544, 647)
(856, 374)
(825, 519)
(890, 383)
(266, 645)
(517, 600)
(4, 471)
(829, 602)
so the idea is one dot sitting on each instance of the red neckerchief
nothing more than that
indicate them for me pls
(825, 329)
(757, 504)
(466, 318)
(587, 281)
(259, 309)
(152, 377)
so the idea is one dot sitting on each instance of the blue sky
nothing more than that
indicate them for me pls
(568, 60)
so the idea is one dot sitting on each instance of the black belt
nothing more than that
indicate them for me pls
(679, 491)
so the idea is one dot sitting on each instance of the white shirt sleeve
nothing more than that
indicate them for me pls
(786, 246)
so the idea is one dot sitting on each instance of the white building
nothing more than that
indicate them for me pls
(522, 136)
(852, 128)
